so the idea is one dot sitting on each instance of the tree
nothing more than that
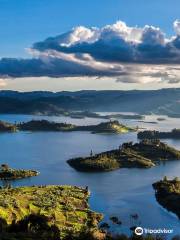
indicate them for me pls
(91, 153)
(4, 167)
(176, 179)
(165, 179)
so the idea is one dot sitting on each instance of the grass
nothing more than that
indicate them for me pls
(63, 207)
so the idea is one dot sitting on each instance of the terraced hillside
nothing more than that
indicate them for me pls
(47, 212)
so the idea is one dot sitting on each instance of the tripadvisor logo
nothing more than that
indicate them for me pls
(138, 231)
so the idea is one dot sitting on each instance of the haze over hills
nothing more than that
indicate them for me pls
(163, 101)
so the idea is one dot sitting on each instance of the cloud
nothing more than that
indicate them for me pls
(55, 64)
(2, 83)
(118, 43)
(177, 27)
(144, 74)
(130, 54)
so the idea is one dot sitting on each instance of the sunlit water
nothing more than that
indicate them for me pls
(118, 193)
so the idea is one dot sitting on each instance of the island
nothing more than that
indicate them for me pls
(7, 173)
(167, 193)
(89, 114)
(48, 212)
(83, 114)
(7, 127)
(45, 125)
(148, 122)
(161, 119)
(174, 134)
(124, 116)
(144, 154)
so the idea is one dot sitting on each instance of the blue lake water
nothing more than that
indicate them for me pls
(118, 193)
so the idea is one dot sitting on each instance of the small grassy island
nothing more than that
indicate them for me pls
(174, 134)
(139, 155)
(44, 125)
(168, 194)
(47, 212)
(7, 173)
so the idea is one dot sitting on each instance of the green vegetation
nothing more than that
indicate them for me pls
(44, 125)
(7, 127)
(107, 127)
(139, 155)
(168, 194)
(7, 173)
(174, 134)
(47, 212)
(156, 150)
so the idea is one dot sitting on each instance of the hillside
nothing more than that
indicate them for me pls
(47, 212)
(164, 101)
(168, 194)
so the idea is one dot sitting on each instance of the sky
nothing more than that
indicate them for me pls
(106, 44)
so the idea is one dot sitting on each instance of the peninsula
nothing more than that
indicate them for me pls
(7, 173)
(168, 194)
(48, 212)
(139, 155)
(174, 134)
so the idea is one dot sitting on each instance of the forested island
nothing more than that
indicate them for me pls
(7, 173)
(145, 154)
(168, 194)
(47, 212)
(174, 134)
(44, 125)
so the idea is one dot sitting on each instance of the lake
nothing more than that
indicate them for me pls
(118, 193)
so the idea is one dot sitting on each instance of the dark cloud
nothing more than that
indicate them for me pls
(51, 67)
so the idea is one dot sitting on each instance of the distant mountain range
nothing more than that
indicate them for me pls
(164, 101)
